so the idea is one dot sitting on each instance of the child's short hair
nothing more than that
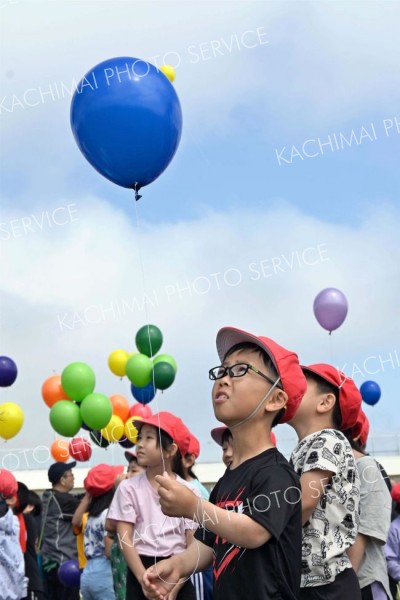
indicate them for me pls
(324, 387)
(254, 348)
(248, 346)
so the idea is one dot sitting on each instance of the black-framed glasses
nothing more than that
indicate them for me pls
(238, 370)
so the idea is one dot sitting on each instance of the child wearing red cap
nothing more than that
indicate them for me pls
(188, 461)
(13, 584)
(203, 581)
(96, 579)
(145, 534)
(330, 484)
(251, 528)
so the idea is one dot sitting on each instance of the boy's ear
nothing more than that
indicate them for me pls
(276, 401)
(326, 403)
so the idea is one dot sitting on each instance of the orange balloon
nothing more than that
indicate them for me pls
(120, 406)
(52, 391)
(60, 450)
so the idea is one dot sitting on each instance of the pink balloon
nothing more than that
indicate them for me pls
(140, 410)
(330, 308)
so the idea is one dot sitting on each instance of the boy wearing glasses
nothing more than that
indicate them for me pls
(251, 527)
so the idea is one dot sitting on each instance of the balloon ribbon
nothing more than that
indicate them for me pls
(136, 188)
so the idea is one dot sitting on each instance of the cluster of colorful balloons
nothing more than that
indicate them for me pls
(74, 405)
(11, 414)
(146, 374)
(127, 120)
(330, 308)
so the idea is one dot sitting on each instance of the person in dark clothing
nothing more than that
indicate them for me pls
(57, 542)
(250, 530)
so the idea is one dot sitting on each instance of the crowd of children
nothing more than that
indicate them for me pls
(317, 527)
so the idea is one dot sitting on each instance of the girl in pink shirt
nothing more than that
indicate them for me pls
(144, 533)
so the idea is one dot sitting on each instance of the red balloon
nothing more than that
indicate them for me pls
(140, 410)
(80, 449)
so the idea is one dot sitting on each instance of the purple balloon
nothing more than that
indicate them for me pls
(125, 443)
(330, 308)
(8, 371)
(69, 573)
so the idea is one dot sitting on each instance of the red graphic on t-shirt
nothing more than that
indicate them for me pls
(221, 564)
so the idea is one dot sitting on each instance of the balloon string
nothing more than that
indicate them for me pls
(147, 320)
(330, 346)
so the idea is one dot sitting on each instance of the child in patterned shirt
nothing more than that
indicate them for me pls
(330, 484)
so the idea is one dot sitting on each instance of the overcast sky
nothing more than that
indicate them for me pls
(244, 228)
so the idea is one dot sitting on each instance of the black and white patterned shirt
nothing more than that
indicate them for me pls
(333, 525)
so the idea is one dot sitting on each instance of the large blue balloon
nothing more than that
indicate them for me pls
(145, 394)
(8, 371)
(69, 573)
(127, 120)
(370, 392)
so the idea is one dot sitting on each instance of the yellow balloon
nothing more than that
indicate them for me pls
(130, 430)
(114, 430)
(117, 362)
(11, 419)
(169, 72)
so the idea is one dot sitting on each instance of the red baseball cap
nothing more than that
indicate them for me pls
(194, 446)
(8, 484)
(172, 425)
(286, 363)
(101, 479)
(396, 493)
(349, 395)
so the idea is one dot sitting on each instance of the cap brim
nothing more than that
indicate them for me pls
(306, 369)
(227, 337)
(129, 455)
(217, 434)
(70, 465)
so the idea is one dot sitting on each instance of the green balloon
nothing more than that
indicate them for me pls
(98, 439)
(96, 411)
(166, 358)
(138, 369)
(164, 375)
(149, 340)
(78, 380)
(65, 418)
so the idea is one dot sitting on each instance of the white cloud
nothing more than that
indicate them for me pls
(260, 276)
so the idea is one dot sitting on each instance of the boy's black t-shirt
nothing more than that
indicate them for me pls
(267, 489)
